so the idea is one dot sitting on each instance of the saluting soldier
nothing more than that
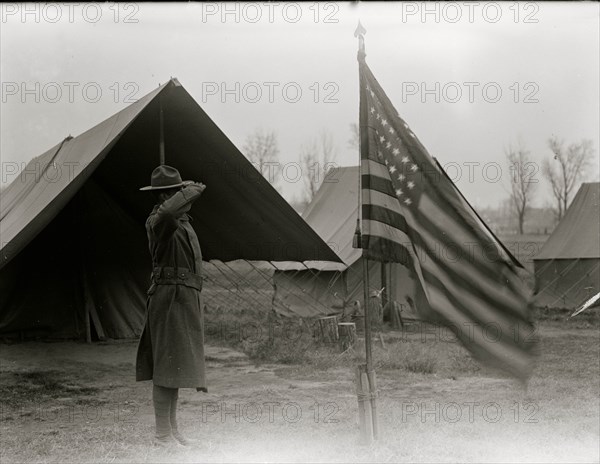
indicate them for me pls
(171, 348)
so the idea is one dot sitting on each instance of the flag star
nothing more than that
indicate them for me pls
(396, 151)
(410, 184)
(380, 155)
(386, 162)
(391, 131)
(372, 109)
(399, 192)
(407, 201)
(378, 116)
(372, 93)
(382, 139)
(388, 145)
(401, 177)
(405, 159)
(384, 122)
(393, 169)
(414, 167)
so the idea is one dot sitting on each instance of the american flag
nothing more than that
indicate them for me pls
(412, 213)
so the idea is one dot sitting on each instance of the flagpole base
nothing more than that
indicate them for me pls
(366, 392)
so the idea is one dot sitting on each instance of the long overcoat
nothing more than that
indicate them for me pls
(171, 348)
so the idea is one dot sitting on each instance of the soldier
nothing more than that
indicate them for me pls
(171, 348)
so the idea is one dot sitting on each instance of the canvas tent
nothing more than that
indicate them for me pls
(72, 237)
(567, 267)
(327, 288)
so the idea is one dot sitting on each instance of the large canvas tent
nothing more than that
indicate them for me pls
(327, 288)
(567, 267)
(72, 237)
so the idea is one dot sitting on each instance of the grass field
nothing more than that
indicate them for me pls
(293, 400)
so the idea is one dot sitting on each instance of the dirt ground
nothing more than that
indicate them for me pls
(73, 402)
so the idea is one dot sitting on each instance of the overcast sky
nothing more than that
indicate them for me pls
(543, 58)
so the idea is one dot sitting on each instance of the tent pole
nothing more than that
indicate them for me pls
(88, 328)
(162, 133)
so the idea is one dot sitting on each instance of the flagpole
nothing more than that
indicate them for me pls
(360, 31)
(365, 374)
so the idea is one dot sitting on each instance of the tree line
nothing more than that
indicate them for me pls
(317, 155)
(564, 169)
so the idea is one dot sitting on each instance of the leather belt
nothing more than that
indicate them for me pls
(176, 276)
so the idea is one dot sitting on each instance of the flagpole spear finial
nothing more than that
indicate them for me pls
(360, 33)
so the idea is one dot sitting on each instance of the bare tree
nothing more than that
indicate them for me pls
(566, 170)
(354, 140)
(262, 150)
(316, 158)
(522, 181)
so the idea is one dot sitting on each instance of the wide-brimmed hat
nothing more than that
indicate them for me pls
(164, 177)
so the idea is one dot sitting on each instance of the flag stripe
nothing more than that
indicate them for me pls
(374, 168)
(392, 251)
(458, 212)
(463, 271)
(509, 356)
(378, 184)
(382, 229)
(446, 228)
(477, 284)
(376, 198)
(394, 216)
(476, 306)
(440, 220)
